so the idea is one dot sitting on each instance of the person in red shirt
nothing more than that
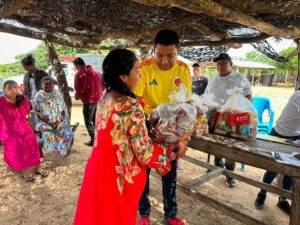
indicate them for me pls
(88, 88)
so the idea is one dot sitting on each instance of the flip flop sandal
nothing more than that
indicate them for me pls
(28, 178)
(43, 173)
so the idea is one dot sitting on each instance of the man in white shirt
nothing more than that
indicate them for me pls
(287, 126)
(227, 79)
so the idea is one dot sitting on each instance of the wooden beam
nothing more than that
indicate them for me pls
(248, 157)
(61, 77)
(226, 41)
(297, 86)
(205, 178)
(295, 209)
(13, 6)
(7, 28)
(258, 184)
(207, 31)
(212, 8)
(261, 185)
(276, 7)
(232, 212)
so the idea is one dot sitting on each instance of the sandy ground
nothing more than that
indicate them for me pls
(52, 201)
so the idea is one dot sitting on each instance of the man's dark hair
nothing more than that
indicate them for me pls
(196, 65)
(79, 61)
(28, 60)
(166, 37)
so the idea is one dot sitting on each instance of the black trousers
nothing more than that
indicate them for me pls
(169, 194)
(89, 115)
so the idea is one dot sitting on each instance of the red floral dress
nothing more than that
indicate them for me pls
(115, 174)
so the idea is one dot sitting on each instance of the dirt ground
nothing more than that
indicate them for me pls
(52, 201)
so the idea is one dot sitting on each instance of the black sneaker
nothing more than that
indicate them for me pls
(284, 206)
(89, 143)
(75, 126)
(230, 182)
(260, 200)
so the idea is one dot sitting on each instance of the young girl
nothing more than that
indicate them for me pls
(21, 149)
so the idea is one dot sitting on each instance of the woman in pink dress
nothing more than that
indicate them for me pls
(115, 174)
(20, 146)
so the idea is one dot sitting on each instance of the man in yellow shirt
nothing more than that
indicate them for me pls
(161, 75)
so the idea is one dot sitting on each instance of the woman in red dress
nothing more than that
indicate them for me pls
(115, 174)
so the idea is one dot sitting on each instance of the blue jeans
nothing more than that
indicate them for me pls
(169, 194)
(269, 176)
(228, 164)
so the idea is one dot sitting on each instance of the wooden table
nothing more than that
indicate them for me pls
(257, 154)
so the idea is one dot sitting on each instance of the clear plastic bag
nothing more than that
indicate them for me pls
(237, 118)
(176, 119)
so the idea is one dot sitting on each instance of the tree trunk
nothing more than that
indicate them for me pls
(297, 86)
(61, 77)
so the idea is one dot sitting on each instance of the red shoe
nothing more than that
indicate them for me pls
(144, 221)
(173, 221)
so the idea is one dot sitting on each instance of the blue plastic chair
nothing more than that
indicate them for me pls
(261, 104)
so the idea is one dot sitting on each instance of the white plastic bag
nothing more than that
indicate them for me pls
(237, 118)
(175, 119)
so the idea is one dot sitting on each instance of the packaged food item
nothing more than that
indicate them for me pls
(175, 120)
(206, 107)
(238, 118)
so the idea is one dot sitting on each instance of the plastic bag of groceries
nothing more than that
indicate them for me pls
(206, 106)
(237, 118)
(175, 120)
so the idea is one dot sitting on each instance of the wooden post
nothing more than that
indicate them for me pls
(61, 77)
(297, 86)
(295, 209)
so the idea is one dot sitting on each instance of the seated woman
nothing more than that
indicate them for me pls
(287, 126)
(21, 149)
(52, 119)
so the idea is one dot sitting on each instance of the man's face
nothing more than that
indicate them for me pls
(165, 56)
(223, 67)
(196, 70)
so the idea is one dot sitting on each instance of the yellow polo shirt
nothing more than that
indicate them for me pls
(155, 84)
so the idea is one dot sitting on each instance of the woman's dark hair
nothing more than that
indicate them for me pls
(118, 62)
(19, 97)
(166, 37)
(79, 61)
(28, 60)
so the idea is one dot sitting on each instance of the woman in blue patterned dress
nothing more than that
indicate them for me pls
(52, 119)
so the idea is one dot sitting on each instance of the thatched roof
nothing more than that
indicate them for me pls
(87, 23)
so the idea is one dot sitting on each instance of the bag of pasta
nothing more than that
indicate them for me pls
(237, 118)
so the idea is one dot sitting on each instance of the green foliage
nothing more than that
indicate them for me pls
(11, 69)
(41, 56)
(291, 65)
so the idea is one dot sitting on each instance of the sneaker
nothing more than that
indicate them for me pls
(230, 182)
(75, 127)
(144, 221)
(173, 221)
(284, 206)
(89, 143)
(260, 200)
